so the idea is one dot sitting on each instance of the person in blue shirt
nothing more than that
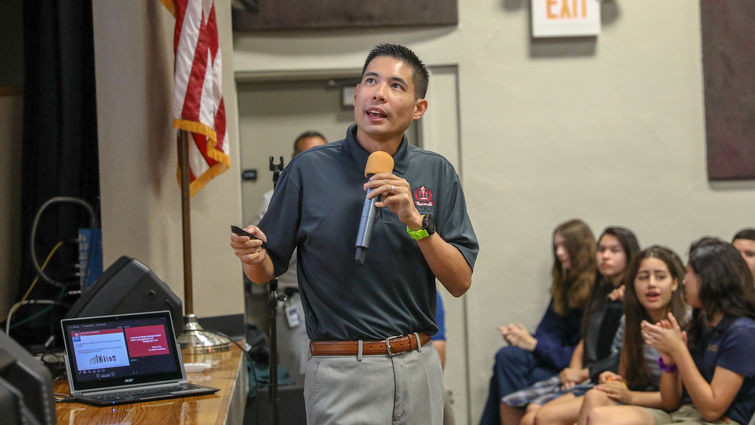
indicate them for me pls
(439, 339)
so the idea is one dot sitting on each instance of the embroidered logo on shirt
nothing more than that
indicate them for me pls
(713, 347)
(423, 196)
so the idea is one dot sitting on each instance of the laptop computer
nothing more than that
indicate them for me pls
(125, 358)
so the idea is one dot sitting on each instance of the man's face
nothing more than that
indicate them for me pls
(384, 102)
(746, 247)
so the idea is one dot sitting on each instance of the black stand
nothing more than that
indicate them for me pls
(273, 298)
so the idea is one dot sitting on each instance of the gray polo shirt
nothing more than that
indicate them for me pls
(317, 207)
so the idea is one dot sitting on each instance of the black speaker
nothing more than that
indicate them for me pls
(128, 286)
(25, 387)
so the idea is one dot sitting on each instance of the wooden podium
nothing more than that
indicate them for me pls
(228, 372)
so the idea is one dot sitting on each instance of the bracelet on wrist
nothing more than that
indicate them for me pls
(666, 368)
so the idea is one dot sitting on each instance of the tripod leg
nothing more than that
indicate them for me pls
(273, 318)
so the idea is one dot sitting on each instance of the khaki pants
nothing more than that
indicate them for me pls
(686, 415)
(377, 390)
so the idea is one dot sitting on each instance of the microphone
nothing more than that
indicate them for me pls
(377, 162)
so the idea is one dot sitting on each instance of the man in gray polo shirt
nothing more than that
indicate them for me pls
(370, 324)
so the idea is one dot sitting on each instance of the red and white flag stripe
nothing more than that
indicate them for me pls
(197, 94)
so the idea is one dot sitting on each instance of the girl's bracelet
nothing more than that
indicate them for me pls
(666, 368)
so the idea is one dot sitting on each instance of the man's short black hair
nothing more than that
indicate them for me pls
(306, 135)
(745, 234)
(420, 77)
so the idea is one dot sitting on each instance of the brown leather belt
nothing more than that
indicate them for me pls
(390, 346)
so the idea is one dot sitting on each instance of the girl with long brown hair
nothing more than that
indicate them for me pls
(530, 358)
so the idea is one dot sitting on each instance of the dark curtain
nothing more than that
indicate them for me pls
(59, 156)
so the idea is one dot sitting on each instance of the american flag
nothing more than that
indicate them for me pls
(197, 95)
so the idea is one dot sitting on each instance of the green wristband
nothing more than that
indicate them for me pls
(417, 235)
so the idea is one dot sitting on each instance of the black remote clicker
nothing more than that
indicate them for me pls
(241, 232)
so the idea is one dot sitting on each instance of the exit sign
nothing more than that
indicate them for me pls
(565, 18)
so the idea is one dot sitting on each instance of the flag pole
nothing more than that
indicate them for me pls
(186, 221)
(194, 338)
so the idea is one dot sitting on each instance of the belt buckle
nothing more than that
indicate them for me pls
(388, 345)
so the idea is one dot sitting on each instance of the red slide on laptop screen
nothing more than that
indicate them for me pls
(146, 341)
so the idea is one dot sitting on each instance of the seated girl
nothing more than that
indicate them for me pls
(593, 354)
(652, 292)
(531, 358)
(708, 371)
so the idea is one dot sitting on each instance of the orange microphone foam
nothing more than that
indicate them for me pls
(378, 162)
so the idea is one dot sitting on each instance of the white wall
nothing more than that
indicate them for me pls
(141, 207)
(610, 130)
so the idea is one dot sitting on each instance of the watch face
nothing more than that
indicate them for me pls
(428, 224)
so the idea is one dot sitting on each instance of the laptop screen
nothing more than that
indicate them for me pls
(126, 349)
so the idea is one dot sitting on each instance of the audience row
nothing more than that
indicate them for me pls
(633, 336)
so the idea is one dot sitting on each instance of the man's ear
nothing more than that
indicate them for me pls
(356, 90)
(420, 107)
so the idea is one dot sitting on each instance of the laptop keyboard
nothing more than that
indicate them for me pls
(134, 394)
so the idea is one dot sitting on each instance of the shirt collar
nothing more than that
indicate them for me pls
(723, 324)
(359, 154)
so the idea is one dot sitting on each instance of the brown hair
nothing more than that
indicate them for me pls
(603, 285)
(571, 287)
(726, 286)
(633, 366)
